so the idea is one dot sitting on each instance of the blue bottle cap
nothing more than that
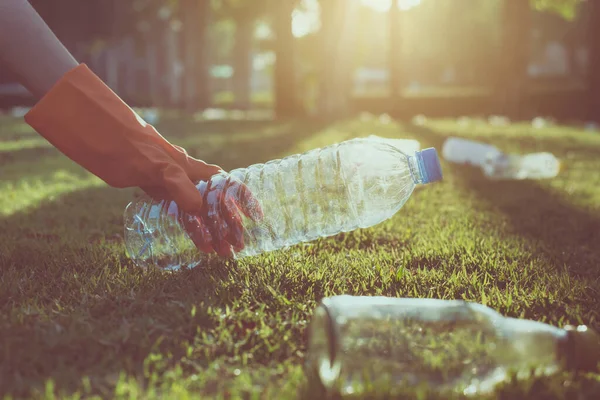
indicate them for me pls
(429, 165)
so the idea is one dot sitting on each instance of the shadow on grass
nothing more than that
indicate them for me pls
(211, 141)
(196, 137)
(563, 233)
(73, 305)
(27, 155)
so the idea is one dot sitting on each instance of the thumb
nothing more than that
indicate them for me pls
(182, 190)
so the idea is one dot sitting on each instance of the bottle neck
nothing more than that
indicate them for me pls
(536, 342)
(416, 170)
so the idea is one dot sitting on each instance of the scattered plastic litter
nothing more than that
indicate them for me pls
(496, 164)
(19, 112)
(465, 151)
(385, 119)
(592, 127)
(419, 120)
(541, 122)
(497, 120)
(514, 166)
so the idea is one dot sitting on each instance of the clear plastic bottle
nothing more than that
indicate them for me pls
(354, 184)
(359, 342)
(514, 166)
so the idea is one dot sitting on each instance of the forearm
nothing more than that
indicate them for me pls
(29, 49)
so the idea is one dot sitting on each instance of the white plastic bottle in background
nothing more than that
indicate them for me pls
(464, 151)
(514, 166)
(498, 165)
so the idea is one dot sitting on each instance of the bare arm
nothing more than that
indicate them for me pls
(29, 49)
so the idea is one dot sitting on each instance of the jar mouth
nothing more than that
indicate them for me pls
(580, 350)
(322, 348)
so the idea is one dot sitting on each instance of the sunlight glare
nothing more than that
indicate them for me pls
(305, 19)
(384, 5)
(408, 4)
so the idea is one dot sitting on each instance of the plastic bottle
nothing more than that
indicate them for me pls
(514, 166)
(357, 343)
(354, 184)
(498, 165)
(464, 151)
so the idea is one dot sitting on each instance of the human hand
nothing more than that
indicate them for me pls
(89, 123)
(219, 225)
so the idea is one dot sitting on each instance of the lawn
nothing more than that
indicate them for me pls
(78, 319)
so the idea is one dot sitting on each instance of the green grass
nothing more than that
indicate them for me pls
(78, 319)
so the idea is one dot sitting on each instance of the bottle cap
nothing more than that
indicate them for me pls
(584, 349)
(429, 165)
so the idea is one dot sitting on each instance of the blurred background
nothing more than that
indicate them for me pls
(329, 58)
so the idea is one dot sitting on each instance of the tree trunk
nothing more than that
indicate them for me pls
(593, 68)
(513, 59)
(336, 52)
(286, 102)
(173, 62)
(195, 16)
(162, 65)
(395, 53)
(242, 65)
(569, 42)
(154, 85)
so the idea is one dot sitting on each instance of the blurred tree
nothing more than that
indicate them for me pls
(565, 8)
(222, 32)
(335, 45)
(553, 27)
(456, 38)
(156, 26)
(284, 77)
(307, 67)
(593, 43)
(395, 51)
(195, 17)
(244, 14)
(513, 58)
(173, 33)
(515, 49)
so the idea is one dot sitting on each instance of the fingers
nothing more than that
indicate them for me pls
(223, 198)
(182, 190)
(198, 232)
(230, 213)
(200, 212)
(213, 206)
(198, 170)
(217, 225)
(193, 225)
(246, 201)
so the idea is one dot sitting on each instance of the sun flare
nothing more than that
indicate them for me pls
(384, 5)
